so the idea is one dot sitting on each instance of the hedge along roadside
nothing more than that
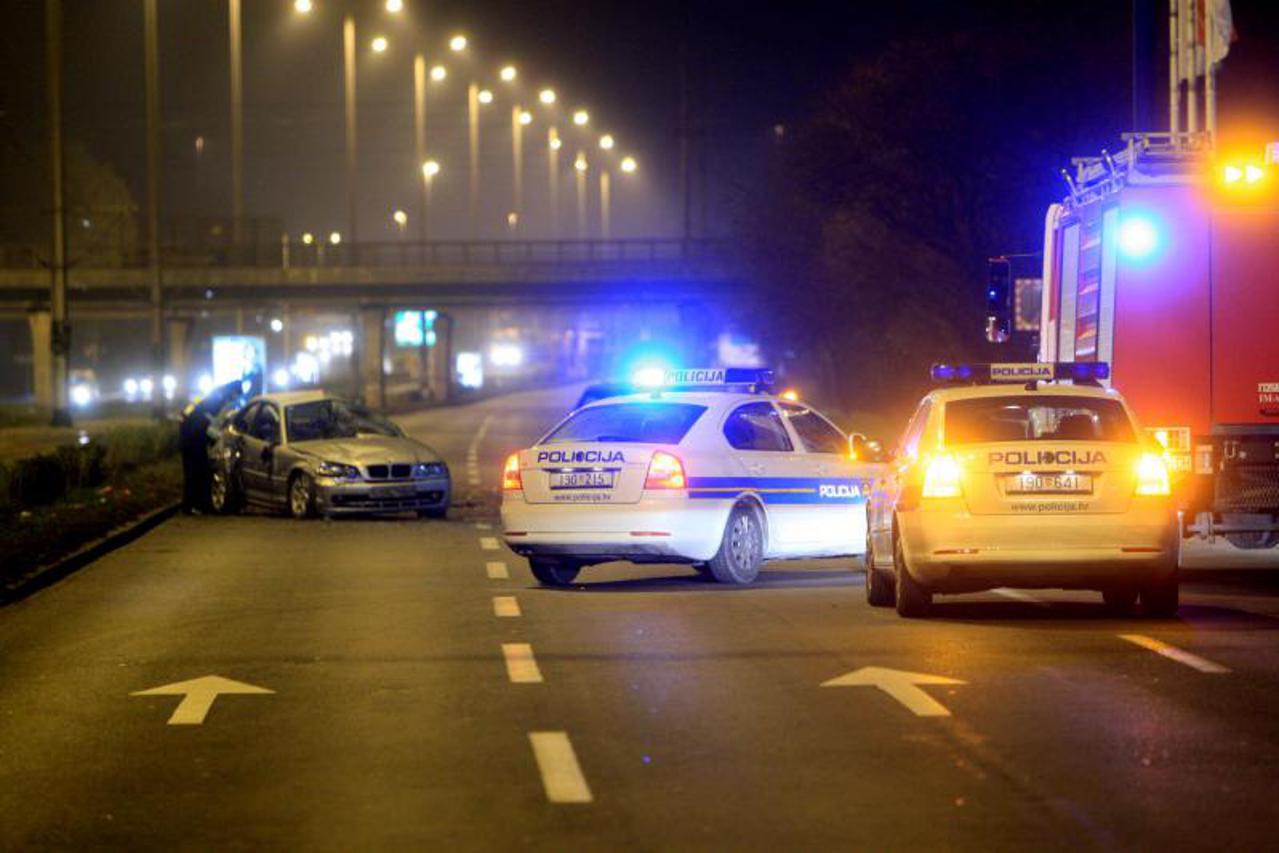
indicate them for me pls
(45, 478)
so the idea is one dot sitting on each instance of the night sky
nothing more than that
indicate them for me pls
(752, 66)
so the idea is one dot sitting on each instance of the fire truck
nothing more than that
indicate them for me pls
(1163, 260)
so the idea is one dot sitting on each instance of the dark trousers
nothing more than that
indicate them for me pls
(195, 475)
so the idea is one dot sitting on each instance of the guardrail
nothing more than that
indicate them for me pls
(399, 253)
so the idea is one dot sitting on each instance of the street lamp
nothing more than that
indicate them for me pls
(335, 237)
(439, 73)
(379, 44)
(485, 96)
(508, 74)
(581, 118)
(546, 96)
(401, 220)
(607, 142)
(394, 6)
(458, 43)
(302, 7)
(629, 165)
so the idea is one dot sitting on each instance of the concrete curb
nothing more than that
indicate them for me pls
(50, 574)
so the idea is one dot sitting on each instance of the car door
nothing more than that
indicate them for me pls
(762, 450)
(258, 457)
(841, 484)
(888, 486)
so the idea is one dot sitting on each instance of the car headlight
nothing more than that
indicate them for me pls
(429, 469)
(337, 469)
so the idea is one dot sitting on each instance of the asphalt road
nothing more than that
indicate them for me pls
(644, 709)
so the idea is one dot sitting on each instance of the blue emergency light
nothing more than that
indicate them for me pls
(1083, 372)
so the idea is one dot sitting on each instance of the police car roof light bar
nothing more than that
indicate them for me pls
(756, 380)
(1079, 372)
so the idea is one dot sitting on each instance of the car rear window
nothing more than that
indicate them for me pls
(647, 423)
(1039, 418)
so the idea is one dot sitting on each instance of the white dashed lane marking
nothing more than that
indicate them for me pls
(506, 605)
(1171, 652)
(488, 543)
(497, 571)
(521, 666)
(561, 775)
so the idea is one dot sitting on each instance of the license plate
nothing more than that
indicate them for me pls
(398, 492)
(1050, 484)
(582, 480)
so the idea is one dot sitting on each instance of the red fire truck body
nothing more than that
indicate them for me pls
(1170, 272)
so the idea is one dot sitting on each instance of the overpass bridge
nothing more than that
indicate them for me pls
(370, 282)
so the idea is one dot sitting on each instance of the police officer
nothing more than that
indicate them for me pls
(193, 439)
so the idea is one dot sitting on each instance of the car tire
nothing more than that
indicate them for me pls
(302, 496)
(880, 589)
(224, 494)
(554, 572)
(741, 551)
(1120, 601)
(1160, 600)
(704, 570)
(914, 600)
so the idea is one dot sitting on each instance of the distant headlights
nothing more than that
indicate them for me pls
(423, 470)
(337, 469)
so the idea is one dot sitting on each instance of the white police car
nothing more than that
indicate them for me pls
(706, 469)
(1021, 480)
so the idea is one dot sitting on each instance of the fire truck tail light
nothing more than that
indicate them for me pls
(1152, 476)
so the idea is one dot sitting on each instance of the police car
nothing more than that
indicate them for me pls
(1013, 477)
(707, 469)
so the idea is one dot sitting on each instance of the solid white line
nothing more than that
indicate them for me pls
(497, 571)
(521, 666)
(506, 605)
(1018, 595)
(488, 543)
(1171, 652)
(561, 775)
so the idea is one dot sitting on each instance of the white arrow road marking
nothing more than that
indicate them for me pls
(506, 605)
(497, 571)
(1171, 652)
(561, 774)
(521, 666)
(198, 696)
(899, 684)
(488, 543)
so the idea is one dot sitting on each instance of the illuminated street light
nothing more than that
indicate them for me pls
(581, 118)
(401, 218)
(430, 169)
(308, 238)
(526, 117)
(580, 163)
(485, 96)
(439, 73)
(394, 6)
(277, 325)
(606, 142)
(629, 165)
(556, 143)
(546, 96)
(302, 7)
(508, 74)
(335, 237)
(458, 43)
(379, 44)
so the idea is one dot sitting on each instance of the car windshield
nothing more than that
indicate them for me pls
(648, 423)
(325, 419)
(1046, 418)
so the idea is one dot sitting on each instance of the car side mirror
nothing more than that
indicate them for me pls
(863, 449)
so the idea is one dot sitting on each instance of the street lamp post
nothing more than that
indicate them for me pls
(553, 178)
(237, 125)
(473, 149)
(419, 135)
(580, 166)
(60, 328)
(430, 168)
(605, 210)
(152, 64)
(348, 55)
(517, 160)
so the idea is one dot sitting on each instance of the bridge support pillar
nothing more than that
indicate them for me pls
(372, 349)
(41, 325)
(440, 360)
(179, 360)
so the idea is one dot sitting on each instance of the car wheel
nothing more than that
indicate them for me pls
(1160, 600)
(1120, 601)
(302, 496)
(741, 551)
(880, 591)
(913, 599)
(554, 572)
(224, 497)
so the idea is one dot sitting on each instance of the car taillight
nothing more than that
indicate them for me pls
(1152, 476)
(511, 480)
(942, 476)
(665, 472)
